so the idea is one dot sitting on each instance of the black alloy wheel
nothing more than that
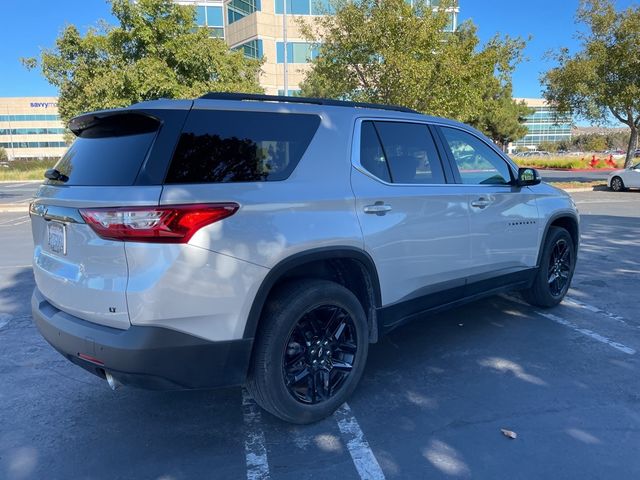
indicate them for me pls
(557, 263)
(319, 354)
(310, 350)
(560, 263)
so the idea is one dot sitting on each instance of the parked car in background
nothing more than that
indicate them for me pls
(536, 153)
(267, 241)
(620, 180)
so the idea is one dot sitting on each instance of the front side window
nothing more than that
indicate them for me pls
(477, 163)
(400, 152)
(218, 146)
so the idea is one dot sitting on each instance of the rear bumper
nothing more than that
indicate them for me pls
(144, 356)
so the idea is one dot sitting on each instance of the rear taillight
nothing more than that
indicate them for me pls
(165, 224)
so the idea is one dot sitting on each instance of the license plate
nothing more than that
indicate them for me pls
(57, 237)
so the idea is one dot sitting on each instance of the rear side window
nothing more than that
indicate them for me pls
(400, 152)
(108, 151)
(372, 156)
(218, 146)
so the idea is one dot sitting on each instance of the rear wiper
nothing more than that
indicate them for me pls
(53, 174)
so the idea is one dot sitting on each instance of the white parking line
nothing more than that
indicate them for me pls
(591, 308)
(588, 333)
(584, 331)
(361, 454)
(254, 443)
(11, 220)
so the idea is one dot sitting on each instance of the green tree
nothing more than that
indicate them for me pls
(592, 142)
(392, 52)
(595, 143)
(547, 146)
(603, 78)
(155, 51)
(3, 155)
(502, 118)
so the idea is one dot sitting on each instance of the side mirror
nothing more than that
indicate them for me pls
(528, 176)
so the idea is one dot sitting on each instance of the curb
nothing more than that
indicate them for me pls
(13, 209)
(582, 170)
(575, 190)
(20, 181)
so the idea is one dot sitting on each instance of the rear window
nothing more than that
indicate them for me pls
(218, 146)
(108, 151)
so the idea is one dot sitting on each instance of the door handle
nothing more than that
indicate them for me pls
(378, 209)
(481, 203)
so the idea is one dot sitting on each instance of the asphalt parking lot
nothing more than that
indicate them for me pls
(432, 402)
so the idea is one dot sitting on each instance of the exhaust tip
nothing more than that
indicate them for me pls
(113, 383)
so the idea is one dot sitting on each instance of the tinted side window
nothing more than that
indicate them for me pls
(218, 146)
(477, 163)
(410, 152)
(372, 155)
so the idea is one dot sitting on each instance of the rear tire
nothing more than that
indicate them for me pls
(556, 269)
(617, 185)
(310, 351)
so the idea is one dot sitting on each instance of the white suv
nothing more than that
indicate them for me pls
(242, 239)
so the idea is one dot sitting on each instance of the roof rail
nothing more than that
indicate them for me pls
(308, 100)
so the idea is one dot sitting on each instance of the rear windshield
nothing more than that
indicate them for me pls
(108, 151)
(218, 146)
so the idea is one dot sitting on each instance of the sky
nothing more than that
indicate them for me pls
(29, 26)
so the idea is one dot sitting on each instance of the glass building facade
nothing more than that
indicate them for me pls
(544, 125)
(256, 27)
(209, 15)
(31, 128)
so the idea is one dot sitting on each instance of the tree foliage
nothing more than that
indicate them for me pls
(3, 155)
(155, 51)
(601, 80)
(502, 118)
(589, 142)
(392, 52)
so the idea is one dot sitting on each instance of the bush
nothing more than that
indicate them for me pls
(564, 162)
(26, 169)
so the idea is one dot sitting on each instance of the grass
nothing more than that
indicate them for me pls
(566, 162)
(19, 170)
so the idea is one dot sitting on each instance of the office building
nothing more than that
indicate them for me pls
(258, 28)
(544, 125)
(30, 127)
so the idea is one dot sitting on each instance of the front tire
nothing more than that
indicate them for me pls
(310, 351)
(617, 185)
(557, 265)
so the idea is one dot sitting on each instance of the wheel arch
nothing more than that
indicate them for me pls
(346, 265)
(569, 222)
